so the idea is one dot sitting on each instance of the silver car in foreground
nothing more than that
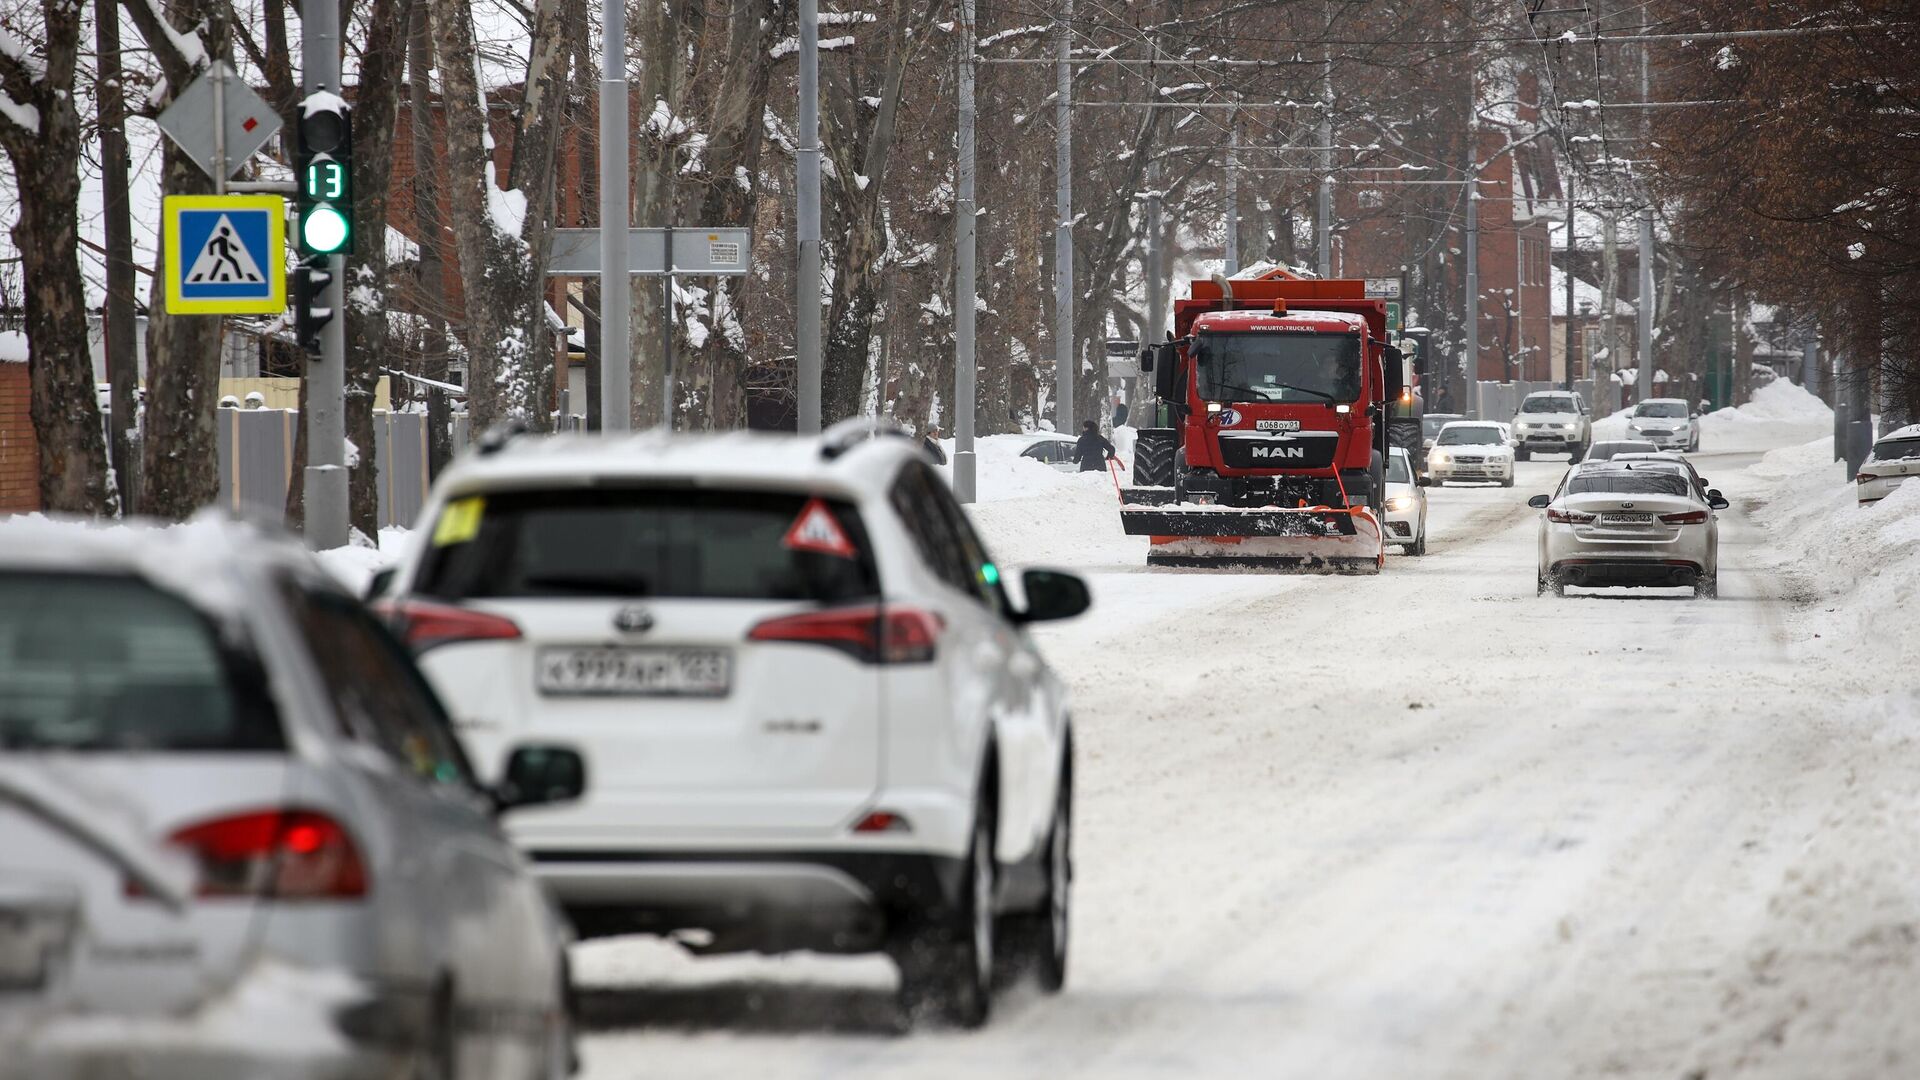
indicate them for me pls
(240, 838)
(1638, 523)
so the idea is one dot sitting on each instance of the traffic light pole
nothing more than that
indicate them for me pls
(325, 480)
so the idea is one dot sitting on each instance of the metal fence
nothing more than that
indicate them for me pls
(255, 449)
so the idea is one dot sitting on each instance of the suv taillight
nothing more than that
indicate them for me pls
(274, 854)
(1568, 517)
(423, 625)
(874, 634)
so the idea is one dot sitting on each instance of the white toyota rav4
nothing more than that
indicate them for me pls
(815, 717)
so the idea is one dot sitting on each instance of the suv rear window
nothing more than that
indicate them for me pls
(92, 663)
(659, 542)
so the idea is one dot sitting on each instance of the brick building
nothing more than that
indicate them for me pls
(19, 451)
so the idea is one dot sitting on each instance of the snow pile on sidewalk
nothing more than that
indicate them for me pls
(1029, 512)
(1861, 564)
(355, 564)
(1781, 413)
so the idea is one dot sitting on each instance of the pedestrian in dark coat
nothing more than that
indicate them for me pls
(931, 441)
(1092, 451)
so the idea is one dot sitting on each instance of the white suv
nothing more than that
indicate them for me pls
(1552, 422)
(815, 716)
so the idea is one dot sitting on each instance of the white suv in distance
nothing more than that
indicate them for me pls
(1471, 450)
(1667, 423)
(816, 717)
(1552, 422)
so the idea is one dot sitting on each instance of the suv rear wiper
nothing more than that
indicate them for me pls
(619, 584)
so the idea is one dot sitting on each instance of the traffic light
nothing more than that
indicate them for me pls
(325, 175)
(310, 310)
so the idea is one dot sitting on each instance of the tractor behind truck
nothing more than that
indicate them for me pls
(1279, 389)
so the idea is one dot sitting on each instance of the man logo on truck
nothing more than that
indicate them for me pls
(1279, 451)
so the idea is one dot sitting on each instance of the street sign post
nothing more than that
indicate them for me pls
(715, 252)
(1383, 288)
(219, 121)
(225, 254)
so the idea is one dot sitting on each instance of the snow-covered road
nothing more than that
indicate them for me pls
(1424, 824)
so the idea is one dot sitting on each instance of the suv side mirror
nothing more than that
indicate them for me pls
(381, 579)
(540, 775)
(1051, 595)
(1540, 502)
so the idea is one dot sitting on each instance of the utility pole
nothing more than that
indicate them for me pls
(1063, 229)
(963, 272)
(1473, 292)
(1156, 281)
(806, 360)
(1568, 348)
(326, 472)
(1323, 210)
(1810, 367)
(1647, 306)
(616, 291)
(1233, 195)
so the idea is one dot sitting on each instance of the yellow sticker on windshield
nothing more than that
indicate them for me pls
(459, 522)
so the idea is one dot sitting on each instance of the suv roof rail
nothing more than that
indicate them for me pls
(853, 431)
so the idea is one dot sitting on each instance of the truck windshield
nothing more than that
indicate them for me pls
(1267, 366)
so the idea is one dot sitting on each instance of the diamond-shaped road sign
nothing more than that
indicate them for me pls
(250, 121)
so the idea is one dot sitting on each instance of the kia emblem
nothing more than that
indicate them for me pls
(1626, 506)
(634, 620)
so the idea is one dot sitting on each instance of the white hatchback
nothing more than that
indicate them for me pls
(816, 717)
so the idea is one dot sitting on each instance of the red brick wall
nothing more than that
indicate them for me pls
(19, 454)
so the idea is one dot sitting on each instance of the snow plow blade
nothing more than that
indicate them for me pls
(1323, 539)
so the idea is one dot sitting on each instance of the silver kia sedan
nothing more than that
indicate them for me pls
(240, 838)
(1640, 523)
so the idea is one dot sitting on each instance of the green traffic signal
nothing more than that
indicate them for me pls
(324, 230)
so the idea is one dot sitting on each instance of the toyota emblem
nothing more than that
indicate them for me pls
(634, 620)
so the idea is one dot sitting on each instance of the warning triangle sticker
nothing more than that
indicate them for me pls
(816, 530)
(224, 259)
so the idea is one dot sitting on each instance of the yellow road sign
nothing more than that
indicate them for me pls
(225, 254)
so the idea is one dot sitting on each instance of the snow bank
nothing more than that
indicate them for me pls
(354, 565)
(1781, 413)
(1860, 564)
(1000, 472)
(13, 347)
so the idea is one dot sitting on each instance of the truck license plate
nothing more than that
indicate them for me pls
(1276, 425)
(638, 672)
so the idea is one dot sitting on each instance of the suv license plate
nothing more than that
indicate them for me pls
(636, 672)
(1276, 425)
(1628, 519)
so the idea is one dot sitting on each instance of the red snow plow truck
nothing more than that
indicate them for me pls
(1279, 389)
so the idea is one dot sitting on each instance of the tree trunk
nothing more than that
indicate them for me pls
(536, 144)
(507, 370)
(375, 107)
(663, 28)
(180, 463)
(431, 233)
(64, 407)
(123, 373)
(736, 131)
(860, 153)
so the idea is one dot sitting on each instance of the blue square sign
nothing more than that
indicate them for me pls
(226, 254)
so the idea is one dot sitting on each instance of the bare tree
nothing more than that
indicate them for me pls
(40, 131)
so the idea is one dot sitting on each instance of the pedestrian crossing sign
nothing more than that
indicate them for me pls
(225, 254)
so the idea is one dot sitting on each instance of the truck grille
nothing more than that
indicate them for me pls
(1298, 453)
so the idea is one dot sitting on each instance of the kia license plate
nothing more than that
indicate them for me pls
(616, 671)
(1628, 519)
(1276, 425)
